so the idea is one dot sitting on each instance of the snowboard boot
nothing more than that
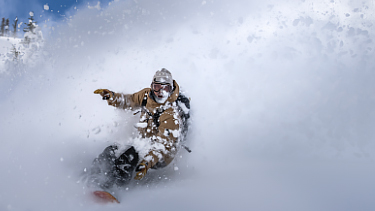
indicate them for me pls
(125, 166)
(103, 168)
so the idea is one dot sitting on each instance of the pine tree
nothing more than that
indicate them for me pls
(31, 25)
(2, 27)
(33, 41)
(7, 27)
(15, 27)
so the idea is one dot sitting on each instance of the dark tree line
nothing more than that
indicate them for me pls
(5, 28)
(7, 31)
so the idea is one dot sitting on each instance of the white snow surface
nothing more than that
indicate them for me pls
(7, 44)
(282, 105)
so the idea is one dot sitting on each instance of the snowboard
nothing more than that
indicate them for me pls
(104, 197)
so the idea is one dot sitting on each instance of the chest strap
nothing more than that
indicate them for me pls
(156, 116)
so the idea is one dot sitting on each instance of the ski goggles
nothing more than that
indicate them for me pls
(157, 87)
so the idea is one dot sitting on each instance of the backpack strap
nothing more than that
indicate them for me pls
(156, 116)
(144, 101)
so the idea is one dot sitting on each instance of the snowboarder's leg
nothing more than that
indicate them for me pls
(108, 170)
(125, 166)
(103, 167)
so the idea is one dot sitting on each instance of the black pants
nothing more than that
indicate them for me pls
(108, 170)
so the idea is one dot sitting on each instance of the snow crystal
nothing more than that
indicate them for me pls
(141, 124)
(166, 132)
(46, 7)
(175, 133)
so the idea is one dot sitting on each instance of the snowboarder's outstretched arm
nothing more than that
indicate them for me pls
(124, 101)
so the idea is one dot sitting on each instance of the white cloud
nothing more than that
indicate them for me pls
(97, 6)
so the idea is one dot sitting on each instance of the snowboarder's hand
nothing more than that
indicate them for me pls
(105, 93)
(141, 170)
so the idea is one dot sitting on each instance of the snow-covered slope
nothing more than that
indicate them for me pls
(282, 106)
(7, 47)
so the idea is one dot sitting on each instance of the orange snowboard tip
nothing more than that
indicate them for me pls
(105, 197)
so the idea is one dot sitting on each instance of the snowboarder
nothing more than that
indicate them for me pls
(162, 126)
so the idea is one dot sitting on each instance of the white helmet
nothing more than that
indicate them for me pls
(162, 85)
(163, 76)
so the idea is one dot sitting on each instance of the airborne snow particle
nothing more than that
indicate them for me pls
(46, 7)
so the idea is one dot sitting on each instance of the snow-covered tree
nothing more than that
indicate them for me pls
(15, 27)
(31, 24)
(6, 27)
(2, 27)
(32, 32)
(33, 41)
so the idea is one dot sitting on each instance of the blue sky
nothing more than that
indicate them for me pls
(58, 9)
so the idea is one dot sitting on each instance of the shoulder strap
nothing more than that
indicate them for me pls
(144, 101)
(156, 116)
